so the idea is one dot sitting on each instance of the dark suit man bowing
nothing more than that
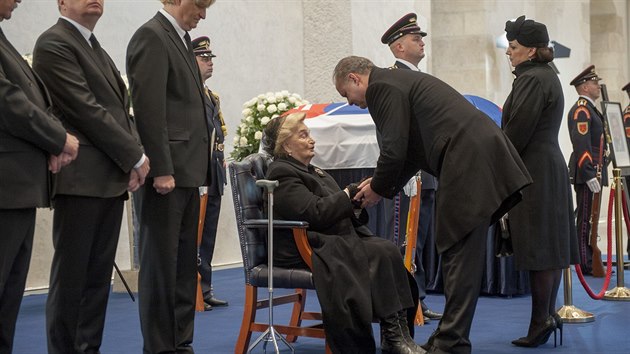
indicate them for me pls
(425, 124)
(168, 101)
(92, 102)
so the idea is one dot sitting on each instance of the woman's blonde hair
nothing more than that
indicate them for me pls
(279, 130)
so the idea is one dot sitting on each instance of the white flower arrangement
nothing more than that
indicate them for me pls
(257, 112)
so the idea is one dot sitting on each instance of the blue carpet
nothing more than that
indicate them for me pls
(498, 320)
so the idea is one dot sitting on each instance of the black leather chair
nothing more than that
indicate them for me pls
(252, 233)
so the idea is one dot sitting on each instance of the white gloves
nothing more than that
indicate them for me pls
(410, 189)
(593, 185)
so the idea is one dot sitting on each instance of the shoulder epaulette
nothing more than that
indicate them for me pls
(582, 102)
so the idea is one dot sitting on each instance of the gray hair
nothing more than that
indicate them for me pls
(351, 64)
(199, 3)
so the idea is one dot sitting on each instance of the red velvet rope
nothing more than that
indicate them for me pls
(578, 269)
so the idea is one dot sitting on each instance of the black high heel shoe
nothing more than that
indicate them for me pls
(559, 324)
(540, 336)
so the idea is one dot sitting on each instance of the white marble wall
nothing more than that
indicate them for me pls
(271, 45)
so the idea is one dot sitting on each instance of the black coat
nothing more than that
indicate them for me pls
(426, 124)
(358, 278)
(542, 225)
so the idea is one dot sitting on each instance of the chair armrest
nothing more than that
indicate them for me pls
(299, 234)
(280, 224)
(301, 240)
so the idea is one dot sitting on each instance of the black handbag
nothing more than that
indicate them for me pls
(502, 238)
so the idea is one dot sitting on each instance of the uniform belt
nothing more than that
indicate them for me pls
(218, 147)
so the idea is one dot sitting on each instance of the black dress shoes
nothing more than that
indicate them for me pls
(428, 314)
(214, 302)
(207, 307)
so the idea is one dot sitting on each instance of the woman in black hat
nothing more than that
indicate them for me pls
(542, 225)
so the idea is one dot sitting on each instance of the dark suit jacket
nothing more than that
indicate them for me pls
(429, 182)
(92, 102)
(28, 133)
(426, 124)
(168, 105)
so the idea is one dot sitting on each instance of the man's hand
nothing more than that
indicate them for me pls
(138, 176)
(164, 184)
(366, 196)
(68, 154)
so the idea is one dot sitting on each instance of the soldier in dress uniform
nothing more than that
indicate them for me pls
(404, 39)
(587, 131)
(204, 55)
(626, 125)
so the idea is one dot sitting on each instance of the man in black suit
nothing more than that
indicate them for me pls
(587, 133)
(214, 117)
(426, 124)
(168, 101)
(404, 39)
(92, 102)
(30, 138)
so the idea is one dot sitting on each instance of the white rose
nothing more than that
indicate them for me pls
(282, 106)
(296, 96)
(252, 102)
(279, 96)
(292, 100)
(261, 107)
(272, 108)
(275, 116)
(269, 93)
(258, 135)
(247, 112)
(242, 141)
(264, 120)
(261, 96)
(236, 140)
(249, 119)
(271, 99)
(285, 93)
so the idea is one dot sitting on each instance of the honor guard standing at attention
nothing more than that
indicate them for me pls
(214, 117)
(404, 39)
(587, 131)
(626, 125)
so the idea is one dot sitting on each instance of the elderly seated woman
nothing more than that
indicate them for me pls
(358, 277)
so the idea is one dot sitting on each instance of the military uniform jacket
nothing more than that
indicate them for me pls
(218, 179)
(168, 103)
(542, 225)
(29, 133)
(425, 124)
(92, 102)
(586, 129)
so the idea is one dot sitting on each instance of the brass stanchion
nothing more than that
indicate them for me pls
(568, 312)
(620, 292)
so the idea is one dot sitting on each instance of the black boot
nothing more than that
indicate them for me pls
(395, 338)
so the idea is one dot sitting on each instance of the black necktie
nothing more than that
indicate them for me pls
(96, 46)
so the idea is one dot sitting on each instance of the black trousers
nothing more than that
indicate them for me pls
(584, 198)
(17, 227)
(208, 240)
(167, 281)
(85, 236)
(462, 269)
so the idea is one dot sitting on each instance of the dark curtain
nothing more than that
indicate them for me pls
(500, 276)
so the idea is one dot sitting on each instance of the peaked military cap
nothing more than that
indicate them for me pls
(586, 75)
(626, 88)
(527, 32)
(201, 47)
(408, 24)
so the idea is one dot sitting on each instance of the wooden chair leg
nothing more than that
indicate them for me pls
(296, 314)
(249, 316)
